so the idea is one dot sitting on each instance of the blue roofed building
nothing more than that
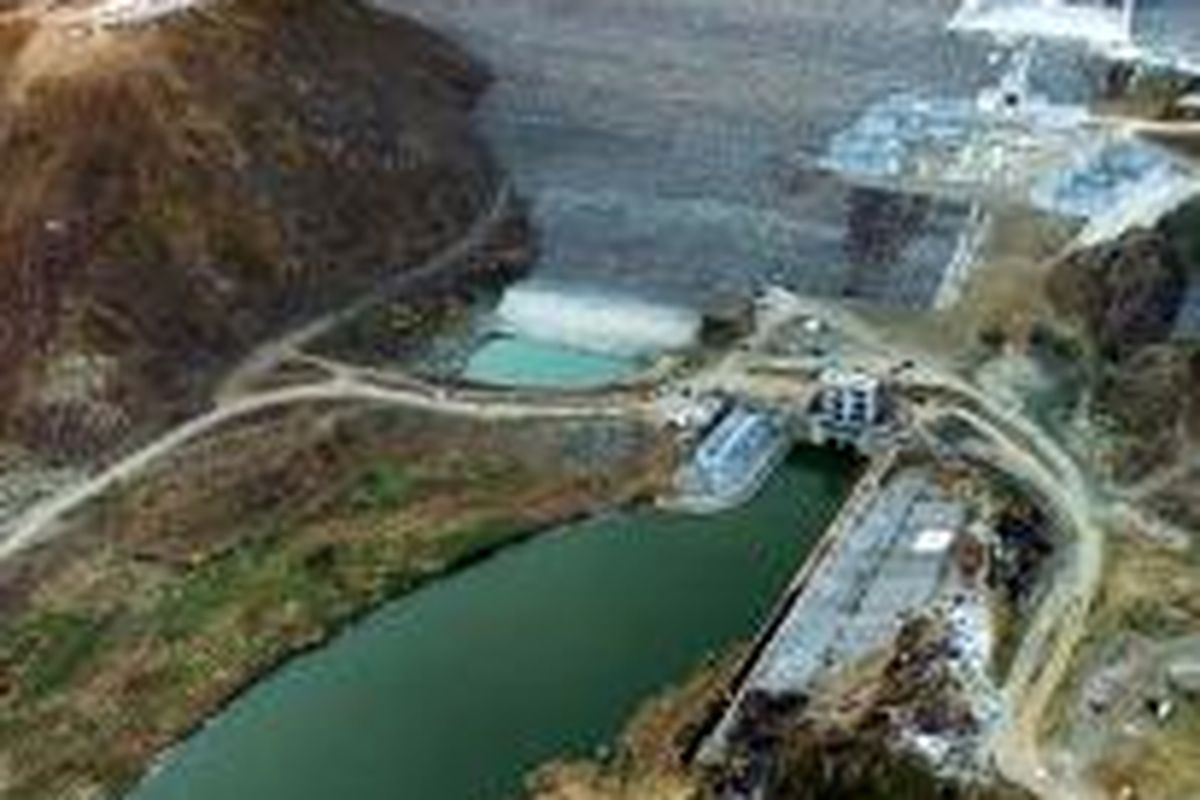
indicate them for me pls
(733, 461)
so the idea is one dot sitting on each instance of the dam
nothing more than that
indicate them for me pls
(670, 150)
(542, 334)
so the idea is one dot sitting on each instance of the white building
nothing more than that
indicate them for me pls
(852, 408)
(850, 398)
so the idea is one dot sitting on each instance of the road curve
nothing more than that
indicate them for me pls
(268, 355)
(44, 520)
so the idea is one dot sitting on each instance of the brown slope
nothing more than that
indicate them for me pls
(173, 193)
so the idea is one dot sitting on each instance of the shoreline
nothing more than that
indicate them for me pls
(867, 481)
(276, 666)
(642, 501)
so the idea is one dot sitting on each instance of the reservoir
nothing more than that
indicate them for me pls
(544, 651)
(517, 361)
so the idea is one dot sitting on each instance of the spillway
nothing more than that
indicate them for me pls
(596, 321)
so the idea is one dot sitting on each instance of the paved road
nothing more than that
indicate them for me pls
(1046, 652)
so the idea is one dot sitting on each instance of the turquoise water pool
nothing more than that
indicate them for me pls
(518, 361)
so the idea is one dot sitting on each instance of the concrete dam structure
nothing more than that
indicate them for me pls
(596, 321)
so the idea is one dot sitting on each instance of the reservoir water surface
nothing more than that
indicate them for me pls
(544, 651)
(517, 361)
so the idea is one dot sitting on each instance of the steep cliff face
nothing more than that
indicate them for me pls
(173, 192)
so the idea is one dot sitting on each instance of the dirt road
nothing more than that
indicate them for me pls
(268, 355)
(44, 520)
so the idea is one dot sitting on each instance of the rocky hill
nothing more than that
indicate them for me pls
(178, 189)
(1125, 298)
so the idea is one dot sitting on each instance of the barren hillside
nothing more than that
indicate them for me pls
(176, 190)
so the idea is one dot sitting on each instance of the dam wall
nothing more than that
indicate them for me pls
(596, 321)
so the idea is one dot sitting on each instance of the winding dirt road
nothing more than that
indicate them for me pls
(45, 519)
(264, 358)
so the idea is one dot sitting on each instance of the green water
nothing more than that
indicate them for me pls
(516, 361)
(456, 691)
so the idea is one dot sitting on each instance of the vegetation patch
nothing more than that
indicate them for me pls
(170, 597)
(43, 652)
(382, 487)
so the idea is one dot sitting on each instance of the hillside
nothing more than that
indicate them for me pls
(1125, 299)
(175, 191)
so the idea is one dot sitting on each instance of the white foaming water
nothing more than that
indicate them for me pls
(596, 321)
(106, 13)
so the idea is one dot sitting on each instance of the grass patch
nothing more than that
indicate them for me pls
(185, 634)
(1153, 619)
(189, 605)
(473, 541)
(381, 487)
(48, 650)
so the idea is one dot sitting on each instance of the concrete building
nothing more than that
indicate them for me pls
(853, 408)
(850, 399)
(733, 461)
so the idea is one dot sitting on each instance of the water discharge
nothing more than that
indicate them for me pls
(596, 321)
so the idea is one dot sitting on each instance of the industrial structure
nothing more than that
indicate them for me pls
(733, 460)
(890, 556)
(894, 562)
(852, 409)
